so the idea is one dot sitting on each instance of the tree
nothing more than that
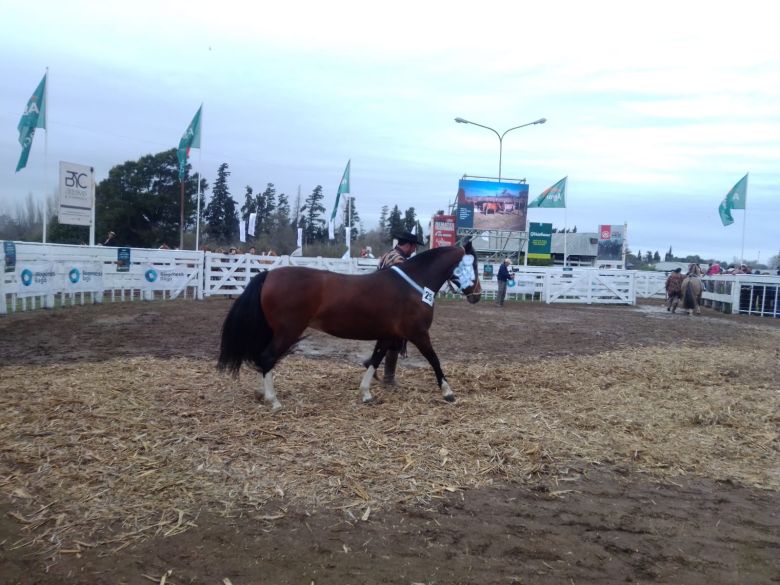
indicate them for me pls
(313, 222)
(221, 216)
(350, 217)
(250, 205)
(656, 256)
(140, 201)
(394, 223)
(410, 219)
(383, 221)
(669, 257)
(266, 205)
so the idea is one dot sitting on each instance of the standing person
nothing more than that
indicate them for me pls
(406, 246)
(110, 239)
(502, 278)
(674, 289)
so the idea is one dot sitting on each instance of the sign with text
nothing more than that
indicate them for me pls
(84, 277)
(539, 240)
(611, 238)
(495, 205)
(123, 259)
(36, 278)
(443, 232)
(77, 194)
(9, 250)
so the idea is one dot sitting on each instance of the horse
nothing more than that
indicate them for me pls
(691, 289)
(388, 306)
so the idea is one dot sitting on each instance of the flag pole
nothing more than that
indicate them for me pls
(744, 222)
(197, 214)
(565, 223)
(45, 149)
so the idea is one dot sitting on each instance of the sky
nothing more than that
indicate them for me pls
(654, 110)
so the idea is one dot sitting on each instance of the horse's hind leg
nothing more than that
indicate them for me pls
(269, 394)
(276, 349)
(423, 343)
(371, 365)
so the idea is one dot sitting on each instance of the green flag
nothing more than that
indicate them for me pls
(554, 196)
(34, 116)
(735, 199)
(190, 139)
(343, 188)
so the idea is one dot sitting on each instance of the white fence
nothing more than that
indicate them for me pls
(46, 275)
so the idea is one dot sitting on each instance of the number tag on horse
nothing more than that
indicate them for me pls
(427, 296)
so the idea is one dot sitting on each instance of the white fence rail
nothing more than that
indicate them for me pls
(46, 275)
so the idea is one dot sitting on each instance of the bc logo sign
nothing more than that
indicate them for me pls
(150, 275)
(27, 277)
(75, 179)
(74, 275)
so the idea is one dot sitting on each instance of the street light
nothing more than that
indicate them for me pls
(500, 136)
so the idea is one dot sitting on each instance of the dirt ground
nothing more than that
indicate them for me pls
(583, 520)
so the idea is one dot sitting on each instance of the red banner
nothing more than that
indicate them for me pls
(443, 232)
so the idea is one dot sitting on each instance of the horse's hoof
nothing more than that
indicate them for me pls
(450, 398)
(369, 401)
(276, 407)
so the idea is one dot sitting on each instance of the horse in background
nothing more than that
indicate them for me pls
(388, 306)
(692, 288)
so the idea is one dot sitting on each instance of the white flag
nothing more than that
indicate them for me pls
(331, 230)
(300, 238)
(242, 230)
(252, 223)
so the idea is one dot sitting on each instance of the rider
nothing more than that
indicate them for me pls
(403, 250)
(674, 289)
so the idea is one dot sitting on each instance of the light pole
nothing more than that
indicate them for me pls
(500, 136)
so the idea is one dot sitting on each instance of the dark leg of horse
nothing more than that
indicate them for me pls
(423, 343)
(371, 364)
(279, 346)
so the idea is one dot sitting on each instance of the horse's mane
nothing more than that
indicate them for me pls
(428, 256)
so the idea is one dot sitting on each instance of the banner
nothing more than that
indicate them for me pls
(190, 139)
(611, 238)
(252, 224)
(165, 278)
(443, 231)
(554, 196)
(123, 259)
(9, 250)
(77, 194)
(84, 277)
(539, 240)
(496, 206)
(34, 116)
(465, 216)
(735, 199)
(36, 278)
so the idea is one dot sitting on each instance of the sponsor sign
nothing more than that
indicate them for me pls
(539, 240)
(611, 239)
(465, 215)
(443, 232)
(36, 278)
(494, 205)
(9, 250)
(77, 194)
(165, 278)
(123, 259)
(86, 277)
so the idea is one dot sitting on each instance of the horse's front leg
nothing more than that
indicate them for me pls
(269, 394)
(423, 343)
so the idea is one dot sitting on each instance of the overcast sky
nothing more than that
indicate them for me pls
(655, 110)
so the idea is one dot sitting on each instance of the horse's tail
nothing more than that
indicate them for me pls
(688, 296)
(245, 332)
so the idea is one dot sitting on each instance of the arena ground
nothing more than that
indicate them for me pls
(589, 444)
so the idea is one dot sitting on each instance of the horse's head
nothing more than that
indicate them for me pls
(694, 269)
(465, 276)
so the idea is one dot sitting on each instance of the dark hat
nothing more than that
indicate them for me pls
(408, 238)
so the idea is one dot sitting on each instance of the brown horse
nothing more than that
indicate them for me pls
(388, 305)
(691, 289)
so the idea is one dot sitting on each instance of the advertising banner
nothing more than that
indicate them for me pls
(611, 238)
(9, 250)
(443, 232)
(77, 194)
(495, 206)
(465, 215)
(36, 278)
(539, 240)
(84, 277)
(165, 278)
(123, 259)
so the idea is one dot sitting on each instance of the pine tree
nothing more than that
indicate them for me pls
(383, 221)
(313, 222)
(249, 205)
(656, 256)
(394, 223)
(350, 217)
(410, 219)
(221, 216)
(269, 197)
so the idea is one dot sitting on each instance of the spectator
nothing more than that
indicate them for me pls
(502, 278)
(674, 289)
(110, 239)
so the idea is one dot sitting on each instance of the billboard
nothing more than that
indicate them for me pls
(611, 238)
(77, 194)
(539, 240)
(496, 206)
(443, 231)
